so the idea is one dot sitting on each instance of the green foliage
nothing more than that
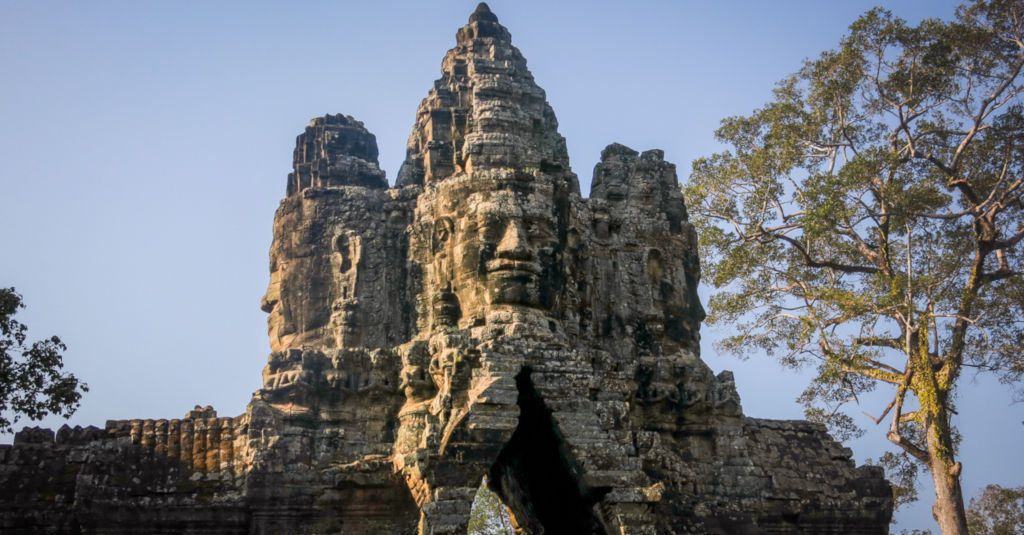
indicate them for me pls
(488, 515)
(868, 221)
(31, 381)
(997, 511)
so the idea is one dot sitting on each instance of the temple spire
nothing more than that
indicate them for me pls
(486, 112)
(483, 12)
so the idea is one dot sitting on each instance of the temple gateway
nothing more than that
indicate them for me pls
(478, 318)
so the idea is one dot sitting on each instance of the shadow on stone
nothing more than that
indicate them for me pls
(536, 476)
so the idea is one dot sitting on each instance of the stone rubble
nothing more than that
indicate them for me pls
(478, 318)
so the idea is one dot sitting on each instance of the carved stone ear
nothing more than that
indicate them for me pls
(443, 228)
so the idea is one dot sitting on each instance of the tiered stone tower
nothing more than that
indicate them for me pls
(478, 318)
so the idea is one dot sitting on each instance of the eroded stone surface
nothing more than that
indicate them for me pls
(480, 317)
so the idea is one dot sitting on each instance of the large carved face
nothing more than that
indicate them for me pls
(498, 248)
(509, 246)
(311, 297)
(297, 300)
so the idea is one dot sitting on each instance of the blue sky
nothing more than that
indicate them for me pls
(144, 147)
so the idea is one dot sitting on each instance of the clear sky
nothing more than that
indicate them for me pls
(144, 147)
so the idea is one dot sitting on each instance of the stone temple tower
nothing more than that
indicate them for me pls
(478, 318)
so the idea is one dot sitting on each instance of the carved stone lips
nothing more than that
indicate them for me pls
(513, 267)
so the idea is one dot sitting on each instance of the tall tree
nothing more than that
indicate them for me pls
(868, 220)
(997, 511)
(31, 381)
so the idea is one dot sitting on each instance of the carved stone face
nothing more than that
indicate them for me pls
(509, 247)
(503, 247)
(281, 330)
(298, 298)
(612, 185)
(488, 242)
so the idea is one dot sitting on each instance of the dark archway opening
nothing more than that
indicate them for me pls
(535, 476)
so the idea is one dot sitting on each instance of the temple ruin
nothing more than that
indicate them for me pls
(480, 317)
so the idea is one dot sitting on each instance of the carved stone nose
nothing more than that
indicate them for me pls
(513, 244)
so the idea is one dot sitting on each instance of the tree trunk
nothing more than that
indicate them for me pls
(940, 450)
(948, 509)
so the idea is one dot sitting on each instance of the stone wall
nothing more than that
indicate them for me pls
(134, 476)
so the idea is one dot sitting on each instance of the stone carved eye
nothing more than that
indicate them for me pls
(490, 227)
(539, 229)
(490, 231)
